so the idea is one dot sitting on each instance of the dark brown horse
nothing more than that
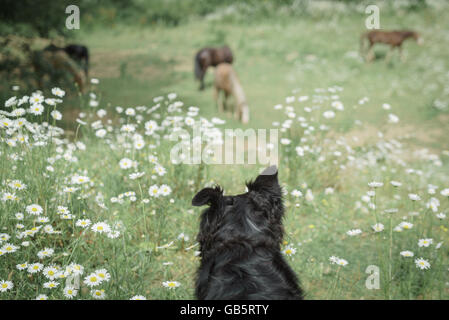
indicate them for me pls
(210, 57)
(392, 38)
(77, 52)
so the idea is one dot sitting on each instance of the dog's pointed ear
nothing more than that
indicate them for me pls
(267, 179)
(210, 196)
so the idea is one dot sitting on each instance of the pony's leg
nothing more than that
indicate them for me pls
(226, 103)
(401, 54)
(219, 102)
(388, 56)
(202, 81)
(370, 55)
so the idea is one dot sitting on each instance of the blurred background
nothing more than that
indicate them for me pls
(141, 49)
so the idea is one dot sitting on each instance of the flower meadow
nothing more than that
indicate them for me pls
(102, 213)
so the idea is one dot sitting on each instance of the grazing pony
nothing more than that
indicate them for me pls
(392, 38)
(56, 65)
(77, 52)
(240, 244)
(226, 80)
(210, 57)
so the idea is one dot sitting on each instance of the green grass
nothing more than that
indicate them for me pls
(273, 59)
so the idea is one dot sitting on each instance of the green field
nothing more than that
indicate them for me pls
(310, 56)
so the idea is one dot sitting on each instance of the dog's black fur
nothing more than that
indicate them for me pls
(240, 238)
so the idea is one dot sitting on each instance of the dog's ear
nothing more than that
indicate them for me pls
(268, 179)
(210, 196)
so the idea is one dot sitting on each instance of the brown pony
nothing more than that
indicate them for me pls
(226, 80)
(392, 38)
(55, 64)
(210, 57)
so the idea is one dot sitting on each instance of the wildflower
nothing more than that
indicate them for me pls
(34, 209)
(309, 195)
(154, 191)
(37, 109)
(17, 184)
(9, 248)
(83, 223)
(50, 272)
(164, 190)
(63, 210)
(333, 259)
(422, 263)
(375, 184)
(98, 294)
(103, 274)
(22, 266)
(393, 118)
(329, 114)
(425, 242)
(406, 225)
(35, 267)
(296, 193)
(441, 215)
(58, 92)
(354, 232)
(126, 163)
(406, 253)
(342, 262)
(5, 285)
(101, 227)
(378, 227)
(51, 284)
(445, 192)
(47, 252)
(42, 297)
(160, 170)
(42, 219)
(11, 102)
(171, 284)
(70, 292)
(92, 280)
(289, 251)
(138, 297)
(414, 197)
(75, 268)
(4, 237)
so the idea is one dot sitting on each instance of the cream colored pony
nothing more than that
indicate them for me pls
(227, 81)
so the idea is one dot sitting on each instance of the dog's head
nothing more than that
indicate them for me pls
(256, 212)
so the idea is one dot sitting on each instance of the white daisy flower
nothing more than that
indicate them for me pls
(406, 253)
(171, 284)
(34, 209)
(422, 263)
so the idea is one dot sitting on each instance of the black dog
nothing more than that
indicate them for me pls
(240, 239)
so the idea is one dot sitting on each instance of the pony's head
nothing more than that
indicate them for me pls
(419, 40)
